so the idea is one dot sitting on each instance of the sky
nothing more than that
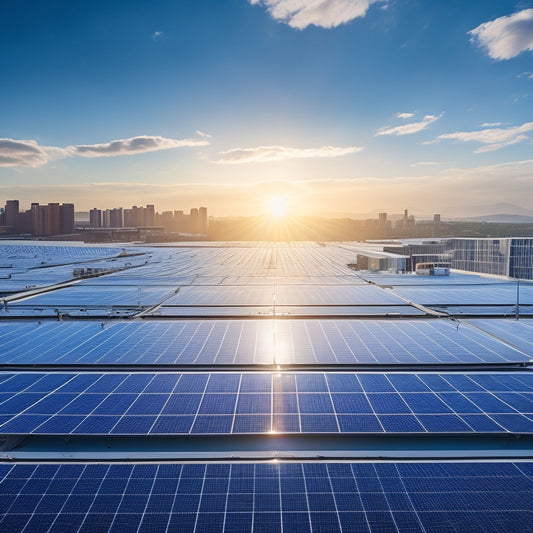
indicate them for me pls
(344, 107)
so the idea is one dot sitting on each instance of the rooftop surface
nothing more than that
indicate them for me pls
(259, 387)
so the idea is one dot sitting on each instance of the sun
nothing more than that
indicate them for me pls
(278, 206)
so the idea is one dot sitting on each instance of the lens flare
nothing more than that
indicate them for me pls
(278, 206)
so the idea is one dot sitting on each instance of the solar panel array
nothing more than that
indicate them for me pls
(385, 342)
(206, 403)
(459, 294)
(419, 387)
(496, 294)
(296, 497)
(79, 296)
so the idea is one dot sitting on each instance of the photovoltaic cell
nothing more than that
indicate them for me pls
(203, 403)
(292, 497)
(252, 342)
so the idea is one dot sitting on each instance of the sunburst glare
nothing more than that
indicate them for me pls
(278, 206)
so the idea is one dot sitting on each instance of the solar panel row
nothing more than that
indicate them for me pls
(253, 342)
(236, 496)
(203, 403)
(295, 497)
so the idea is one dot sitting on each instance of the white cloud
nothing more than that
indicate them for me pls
(158, 35)
(408, 129)
(505, 37)
(135, 145)
(405, 115)
(497, 146)
(426, 164)
(203, 135)
(490, 124)
(263, 154)
(528, 75)
(324, 13)
(27, 153)
(492, 138)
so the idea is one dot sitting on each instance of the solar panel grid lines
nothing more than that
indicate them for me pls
(516, 333)
(499, 294)
(383, 403)
(283, 496)
(81, 297)
(152, 405)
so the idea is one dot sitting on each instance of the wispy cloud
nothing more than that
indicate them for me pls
(158, 35)
(408, 129)
(27, 153)
(528, 75)
(324, 13)
(490, 124)
(405, 115)
(203, 134)
(262, 154)
(492, 138)
(135, 145)
(426, 164)
(505, 37)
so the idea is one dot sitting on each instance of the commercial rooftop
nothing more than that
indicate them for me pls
(259, 387)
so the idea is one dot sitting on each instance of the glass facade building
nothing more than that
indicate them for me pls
(511, 257)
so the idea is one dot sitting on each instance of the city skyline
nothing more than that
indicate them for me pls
(356, 106)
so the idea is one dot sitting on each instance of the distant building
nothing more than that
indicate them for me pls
(11, 215)
(66, 219)
(52, 222)
(203, 224)
(38, 217)
(149, 215)
(40, 220)
(508, 257)
(95, 218)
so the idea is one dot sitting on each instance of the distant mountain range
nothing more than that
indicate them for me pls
(501, 212)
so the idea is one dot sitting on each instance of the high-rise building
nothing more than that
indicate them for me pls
(138, 216)
(193, 221)
(116, 217)
(202, 221)
(95, 218)
(38, 217)
(129, 221)
(66, 219)
(52, 219)
(179, 221)
(12, 213)
(149, 215)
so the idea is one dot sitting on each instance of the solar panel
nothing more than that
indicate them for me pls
(239, 280)
(501, 293)
(252, 342)
(80, 296)
(203, 403)
(293, 497)
(518, 333)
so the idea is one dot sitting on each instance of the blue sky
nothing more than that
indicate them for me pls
(346, 106)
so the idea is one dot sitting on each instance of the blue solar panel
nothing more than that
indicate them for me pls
(252, 341)
(294, 497)
(497, 294)
(147, 403)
